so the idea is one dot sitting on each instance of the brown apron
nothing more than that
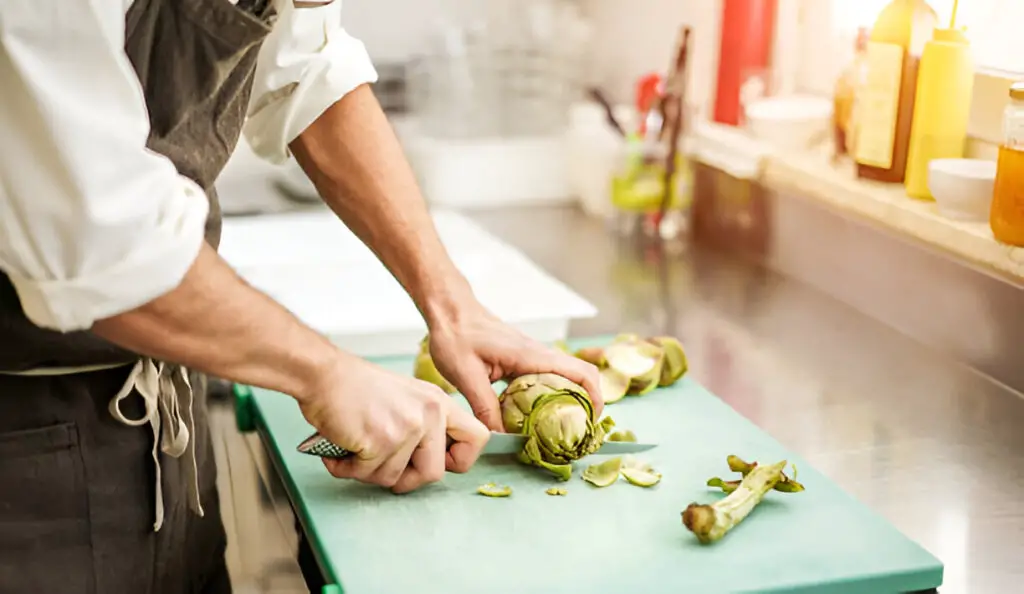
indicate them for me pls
(77, 487)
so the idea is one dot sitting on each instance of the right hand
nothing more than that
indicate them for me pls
(396, 426)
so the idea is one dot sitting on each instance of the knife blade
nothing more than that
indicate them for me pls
(499, 443)
(510, 443)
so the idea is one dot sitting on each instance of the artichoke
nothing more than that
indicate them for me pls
(557, 417)
(424, 368)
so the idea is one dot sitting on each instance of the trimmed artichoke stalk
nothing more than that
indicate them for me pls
(604, 473)
(424, 368)
(557, 417)
(638, 360)
(737, 464)
(492, 490)
(639, 473)
(675, 359)
(711, 522)
(626, 435)
(556, 492)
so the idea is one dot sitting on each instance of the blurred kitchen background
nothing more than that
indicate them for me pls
(692, 167)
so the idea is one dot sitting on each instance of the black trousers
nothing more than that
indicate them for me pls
(77, 495)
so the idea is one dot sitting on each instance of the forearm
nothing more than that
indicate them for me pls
(357, 164)
(216, 323)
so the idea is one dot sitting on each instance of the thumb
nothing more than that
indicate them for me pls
(473, 382)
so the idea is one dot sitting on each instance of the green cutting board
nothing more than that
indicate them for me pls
(622, 539)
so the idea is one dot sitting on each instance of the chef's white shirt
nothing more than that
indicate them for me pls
(92, 224)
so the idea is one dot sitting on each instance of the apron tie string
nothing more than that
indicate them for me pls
(161, 385)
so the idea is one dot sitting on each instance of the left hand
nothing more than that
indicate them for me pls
(476, 349)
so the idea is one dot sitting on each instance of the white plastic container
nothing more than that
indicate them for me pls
(472, 174)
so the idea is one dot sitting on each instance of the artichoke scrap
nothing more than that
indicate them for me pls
(631, 365)
(709, 523)
(424, 368)
(557, 417)
(737, 464)
(635, 471)
(493, 490)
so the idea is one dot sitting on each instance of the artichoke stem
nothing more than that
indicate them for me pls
(710, 523)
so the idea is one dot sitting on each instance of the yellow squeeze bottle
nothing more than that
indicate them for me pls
(942, 107)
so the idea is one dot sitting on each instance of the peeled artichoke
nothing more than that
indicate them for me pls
(424, 368)
(557, 416)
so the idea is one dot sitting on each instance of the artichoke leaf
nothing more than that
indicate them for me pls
(726, 486)
(604, 473)
(592, 355)
(614, 385)
(493, 490)
(639, 473)
(675, 364)
(531, 455)
(425, 370)
(625, 435)
(556, 492)
(785, 484)
(638, 360)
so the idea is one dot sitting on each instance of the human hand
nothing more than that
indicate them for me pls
(396, 426)
(476, 349)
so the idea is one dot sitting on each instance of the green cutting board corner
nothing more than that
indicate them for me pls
(622, 539)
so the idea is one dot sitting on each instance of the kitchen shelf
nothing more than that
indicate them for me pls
(816, 177)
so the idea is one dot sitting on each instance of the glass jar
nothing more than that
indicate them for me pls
(1007, 214)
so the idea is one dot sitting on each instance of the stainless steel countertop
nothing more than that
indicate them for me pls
(930, 444)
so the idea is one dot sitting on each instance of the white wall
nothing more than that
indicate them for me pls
(631, 37)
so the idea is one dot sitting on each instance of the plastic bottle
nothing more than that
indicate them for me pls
(945, 83)
(844, 121)
(748, 30)
(886, 101)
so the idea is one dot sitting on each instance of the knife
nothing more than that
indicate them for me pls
(499, 443)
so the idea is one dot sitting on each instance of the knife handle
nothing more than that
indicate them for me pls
(318, 445)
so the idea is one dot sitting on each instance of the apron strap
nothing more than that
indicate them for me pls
(154, 382)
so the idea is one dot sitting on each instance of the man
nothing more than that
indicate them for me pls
(115, 119)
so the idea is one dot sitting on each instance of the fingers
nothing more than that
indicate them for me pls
(470, 437)
(427, 464)
(474, 383)
(401, 450)
(571, 368)
(586, 375)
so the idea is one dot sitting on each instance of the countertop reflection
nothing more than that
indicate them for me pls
(925, 441)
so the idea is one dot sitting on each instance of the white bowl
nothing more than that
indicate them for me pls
(792, 122)
(962, 187)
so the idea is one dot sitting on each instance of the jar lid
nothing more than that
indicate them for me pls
(1017, 91)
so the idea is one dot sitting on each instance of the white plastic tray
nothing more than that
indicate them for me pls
(313, 265)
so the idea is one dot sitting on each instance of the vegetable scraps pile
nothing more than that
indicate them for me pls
(634, 366)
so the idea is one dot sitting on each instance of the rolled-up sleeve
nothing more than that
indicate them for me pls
(306, 64)
(92, 224)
